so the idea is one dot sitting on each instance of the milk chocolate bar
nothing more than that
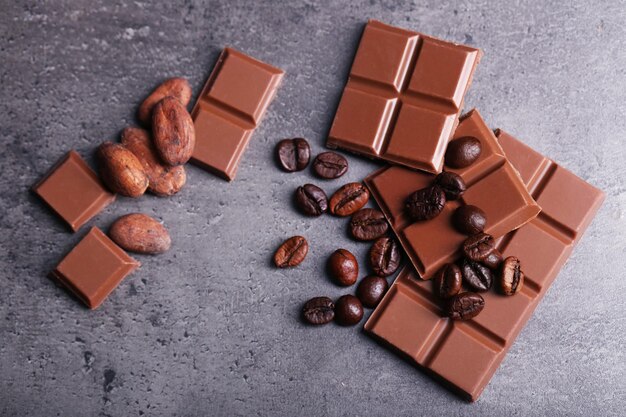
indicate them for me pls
(229, 108)
(465, 354)
(492, 184)
(94, 268)
(73, 191)
(403, 97)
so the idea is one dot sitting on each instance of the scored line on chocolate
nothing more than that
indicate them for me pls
(230, 113)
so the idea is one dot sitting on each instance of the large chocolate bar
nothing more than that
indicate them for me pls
(465, 355)
(492, 184)
(229, 108)
(403, 97)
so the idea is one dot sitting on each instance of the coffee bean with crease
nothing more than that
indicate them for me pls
(291, 253)
(463, 152)
(319, 310)
(368, 224)
(448, 281)
(425, 204)
(476, 275)
(465, 306)
(385, 256)
(330, 165)
(371, 290)
(348, 199)
(452, 185)
(348, 310)
(511, 277)
(494, 260)
(311, 200)
(478, 247)
(469, 220)
(293, 154)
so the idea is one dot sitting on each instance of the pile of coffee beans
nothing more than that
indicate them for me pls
(365, 225)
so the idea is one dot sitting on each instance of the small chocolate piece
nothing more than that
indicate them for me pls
(452, 185)
(137, 232)
(348, 199)
(173, 87)
(511, 277)
(494, 260)
(425, 204)
(463, 152)
(368, 224)
(469, 219)
(371, 290)
(293, 154)
(73, 191)
(292, 252)
(121, 170)
(330, 165)
(348, 310)
(385, 256)
(311, 200)
(94, 268)
(478, 247)
(343, 267)
(319, 310)
(476, 275)
(465, 306)
(448, 281)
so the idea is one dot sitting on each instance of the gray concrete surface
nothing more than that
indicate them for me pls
(210, 328)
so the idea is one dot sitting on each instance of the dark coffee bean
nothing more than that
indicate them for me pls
(452, 185)
(426, 203)
(469, 220)
(463, 152)
(385, 256)
(511, 276)
(368, 224)
(348, 199)
(292, 252)
(343, 267)
(478, 247)
(319, 310)
(311, 200)
(330, 165)
(476, 275)
(465, 306)
(348, 310)
(448, 281)
(371, 290)
(494, 260)
(293, 154)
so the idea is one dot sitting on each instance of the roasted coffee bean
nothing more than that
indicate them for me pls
(476, 275)
(478, 247)
(311, 200)
(371, 290)
(385, 256)
(330, 165)
(463, 152)
(343, 267)
(452, 185)
(368, 224)
(293, 154)
(319, 310)
(348, 199)
(465, 306)
(494, 260)
(448, 281)
(348, 310)
(292, 252)
(511, 276)
(425, 204)
(469, 219)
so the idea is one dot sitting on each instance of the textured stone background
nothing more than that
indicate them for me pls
(210, 328)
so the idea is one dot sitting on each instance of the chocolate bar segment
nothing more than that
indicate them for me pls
(73, 191)
(403, 97)
(229, 108)
(465, 355)
(94, 268)
(492, 184)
